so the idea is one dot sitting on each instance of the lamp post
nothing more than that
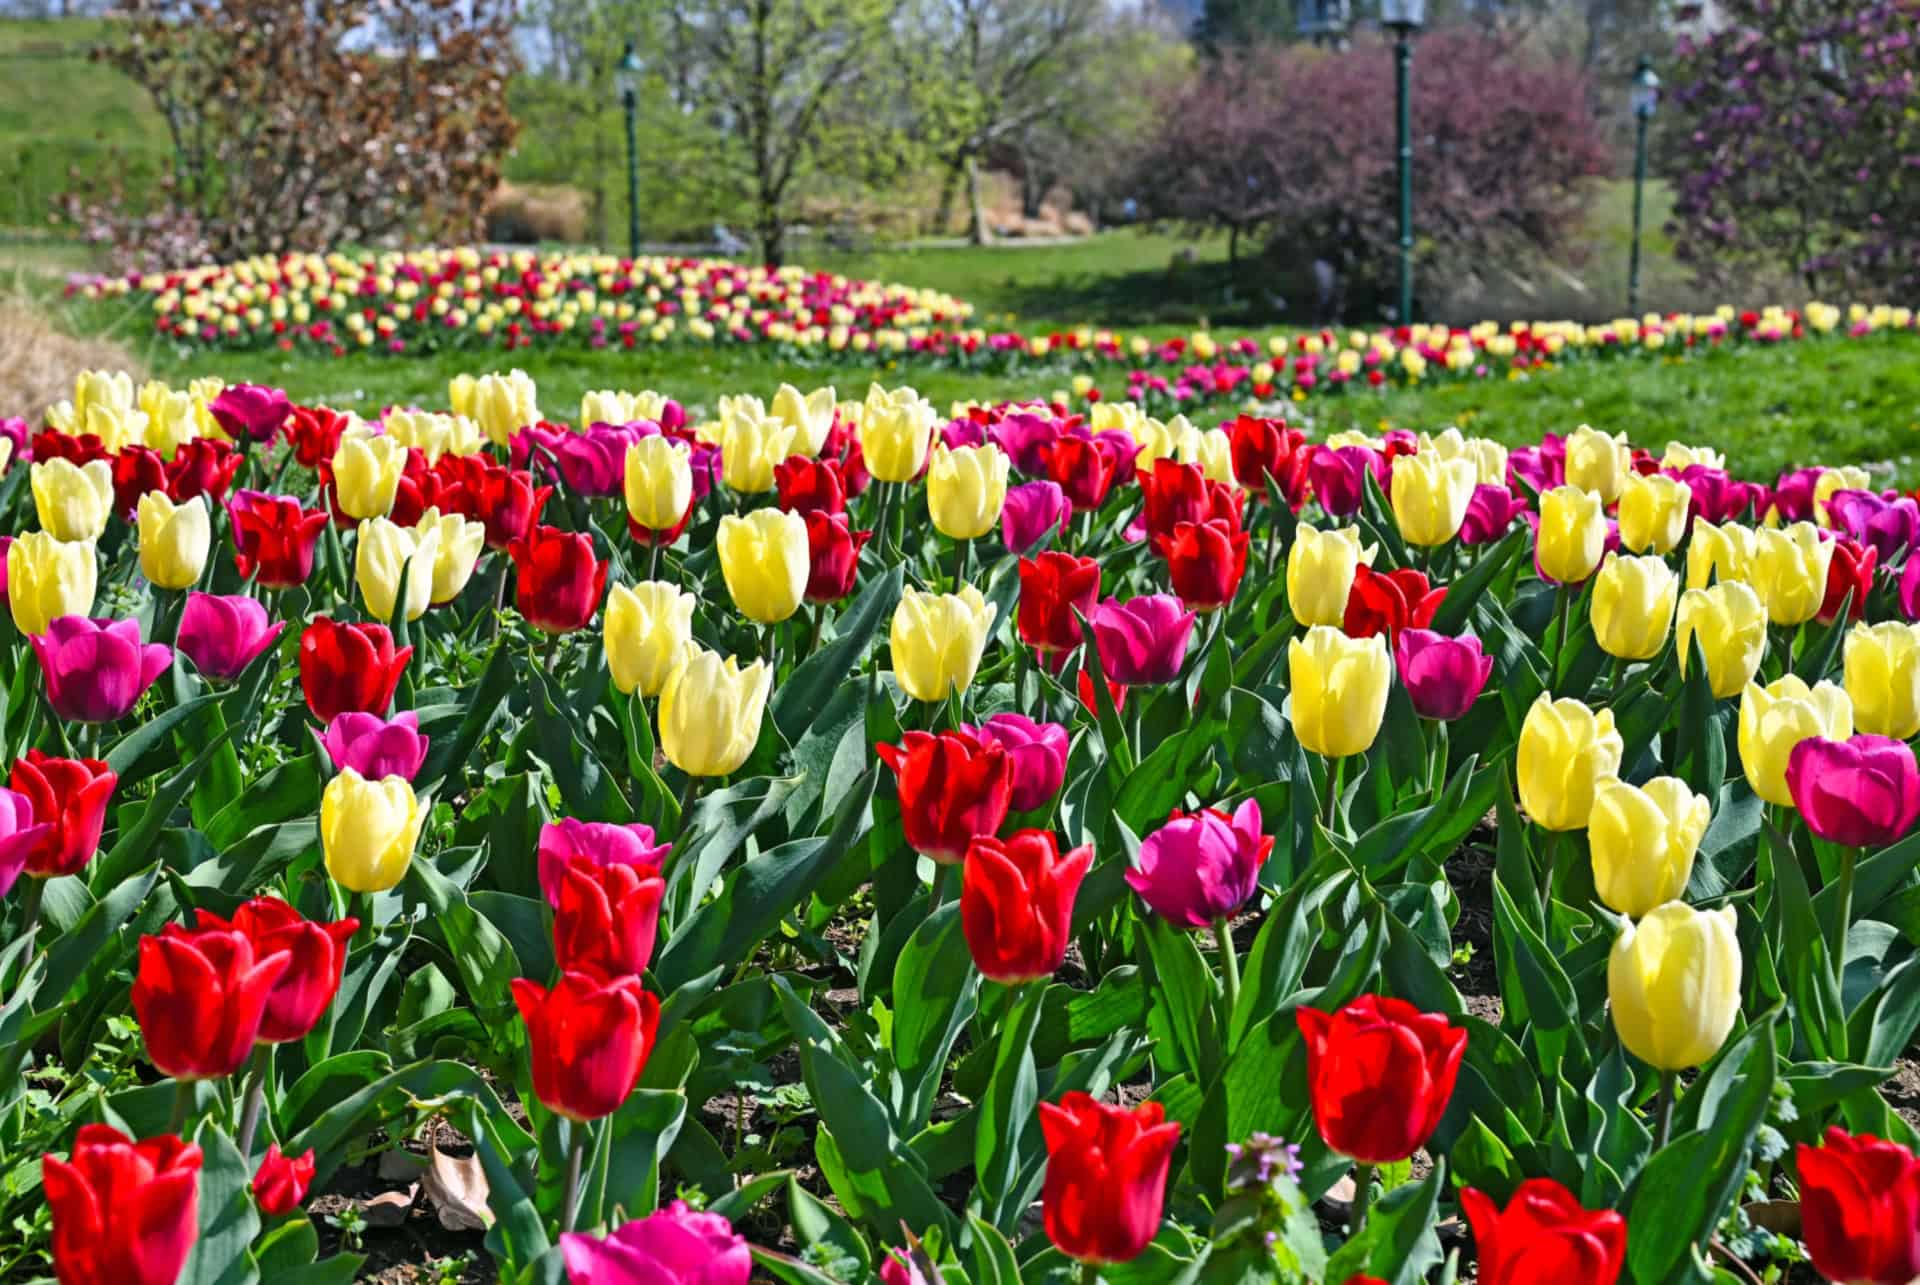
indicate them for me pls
(1644, 98)
(1403, 18)
(627, 77)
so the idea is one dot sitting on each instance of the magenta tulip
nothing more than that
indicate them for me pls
(591, 463)
(250, 412)
(1538, 468)
(1891, 526)
(21, 840)
(1199, 868)
(1025, 436)
(1490, 514)
(963, 432)
(1032, 509)
(603, 842)
(97, 669)
(1793, 494)
(1443, 676)
(376, 747)
(1143, 640)
(1713, 494)
(1339, 477)
(222, 635)
(1860, 793)
(677, 1245)
(1039, 754)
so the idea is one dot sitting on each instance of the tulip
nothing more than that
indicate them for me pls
(1380, 1074)
(282, 1181)
(1565, 751)
(1860, 1208)
(1213, 452)
(895, 432)
(560, 581)
(1830, 483)
(751, 445)
(1633, 606)
(316, 957)
(23, 841)
(222, 635)
(97, 669)
(644, 630)
(368, 830)
(966, 489)
(1205, 561)
(349, 666)
(503, 404)
(375, 747)
(954, 787)
(137, 470)
(1430, 496)
(314, 432)
(250, 412)
(1572, 534)
(47, 579)
(1731, 628)
(1891, 527)
(1490, 514)
(1264, 449)
(937, 641)
(1882, 672)
(174, 540)
(590, 1039)
(1339, 687)
(366, 474)
(1443, 676)
(1038, 752)
(1032, 509)
(1199, 869)
(606, 917)
(1025, 436)
(200, 996)
(1716, 497)
(1673, 983)
(1598, 464)
(1056, 589)
(567, 841)
(1719, 553)
(1849, 581)
(677, 1245)
(71, 796)
(1339, 477)
(1777, 717)
(509, 504)
(1489, 458)
(809, 415)
(124, 1212)
(833, 555)
(710, 712)
(1106, 1176)
(1142, 641)
(1320, 572)
(1789, 572)
(1389, 603)
(1643, 839)
(1173, 493)
(1653, 513)
(273, 538)
(766, 560)
(386, 553)
(612, 406)
(1863, 792)
(1083, 469)
(73, 502)
(806, 484)
(1544, 1234)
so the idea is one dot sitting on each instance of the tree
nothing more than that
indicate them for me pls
(1230, 24)
(1796, 143)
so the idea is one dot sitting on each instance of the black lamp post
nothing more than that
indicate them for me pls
(627, 77)
(1404, 18)
(1644, 97)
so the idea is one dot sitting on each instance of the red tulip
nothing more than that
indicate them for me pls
(124, 1212)
(1850, 571)
(1106, 1178)
(1053, 587)
(200, 997)
(1090, 700)
(70, 795)
(316, 957)
(509, 504)
(1544, 1234)
(607, 917)
(349, 666)
(1860, 1209)
(1388, 602)
(419, 489)
(1174, 493)
(282, 1181)
(954, 788)
(1381, 1073)
(273, 538)
(1267, 448)
(315, 433)
(833, 549)
(1016, 904)
(136, 470)
(1205, 561)
(590, 1039)
(204, 466)
(810, 485)
(78, 448)
(560, 581)
(1083, 468)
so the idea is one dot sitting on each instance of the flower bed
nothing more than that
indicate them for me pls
(843, 843)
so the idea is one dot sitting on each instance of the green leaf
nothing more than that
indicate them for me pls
(1006, 1112)
(136, 841)
(1468, 587)
(73, 951)
(486, 700)
(634, 1141)
(1535, 986)
(518, 1238)
(1183, 991)
(589, 789)
(148, 747)
(1397, 1244)
(481, 953)
(991, 1260)
(934, 994)
(228, 1220)
(806, 689)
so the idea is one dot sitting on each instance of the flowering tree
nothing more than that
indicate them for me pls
(1798, 144)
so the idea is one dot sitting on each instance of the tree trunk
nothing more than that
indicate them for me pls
(1233, 245)
(978, 233)
(949, 188)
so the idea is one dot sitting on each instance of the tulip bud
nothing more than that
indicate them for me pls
(1544, 1234)
(662, 1242)
(896, 430)
(1731, 627)
(282, 1181)
(1720, 553)
(1320, 571)
(1198, 869)
(1339, 690)
(47, 579)
(1142, 641)
(368, 830)
(966, 489)
(590, 1039)
(385, 553)
(1653, 513)
(1565, 750)
(71, 796)
(1430, 496)
(559, 578)
(1038, 752)
(809, 415)
(1673, 983)
(1572, 534)
(461, 542)
(97, 669)
(1016, 904)
(200, 996)
(1777, 717)
(1860, 1208)
(1643, 840)
(765, 559)
(646, 627)
(1106, 1183)
(503, 405)
(1833, 480)
(600, 843)
(751, 446)
(1633, 605)
(659, 482)
(1443, 676)
(1598, 464)
(710, 712)
(1380, 1074)
(1882, 669)
(937, 640)
(123, 1210)
(1789, 572)
(73, 501)
(1863, 792)
(174, 540)
(366, 473)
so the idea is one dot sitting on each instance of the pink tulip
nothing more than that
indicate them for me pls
(21, 840)
(603, 842)
(1490, 514)
(1890, 526)
(1197, 869)
(956, 433)
(1025, 437)
(376, 747)
(1443, 676)
(1339, 477)
(673, 1246)
(97, 669)
(1032, 509)
(251, 412)
(6, 542)
(221, 635)
(1538, 468)
(1143, 640)
(1793, 494)
(591, 463)
(1715, 495)
(1039, 754)
(901, 1269)
(1860, 793)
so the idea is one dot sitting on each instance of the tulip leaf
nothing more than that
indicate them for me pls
(786, 1268)
(282, 793)
(1433, 831)
(934, 988)
(326, 1083)
(1727, 850)
(1376, 516)
(719, 824)
(1183, 999)
(1534, 985)
(135, 842)
(1277, 962)
(797, 700)
(1817, 661)
(815, 1223)
(481, 953)
(991, 1261)
(73, 951)
(633, 1143)
(518, 1238)
(485, 700)
(1466, 590)
(1700, 749)
(148, 748)
(228, 1220)
(589, 789)
(1398, 1243)
(1005, 1113)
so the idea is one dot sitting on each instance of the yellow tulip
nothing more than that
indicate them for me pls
(646, 628)
(1430, 496)
(1718, 553)
(750, 446)
(1489, 458)
(461, 541)
(383, 553)
(966, 487)
(48, 579)
(1653, 513)
(659, 481)
(1673, 983)
(366, 473)
(1633, 604)
(73, 502)
(1777, 717)
(1320, 571)
(896, 431)
(173, 419)
(1845, 478)
(1732, 628)
(174, 539)
(710, 711)
(937, 640)
(1572, 535)
(368, 830)
(611, 406)
(809, 415)
(1789, 572)
(1681, 456)
(1882, 671)
(434, 435)
(6, 454)
(505, 404)
(1339, 690)
(1643, 841)
(1565, 751)
(1598, 463)
(764, 558)
(102, 389)
(460, 394)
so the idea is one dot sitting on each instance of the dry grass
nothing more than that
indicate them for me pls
(38, 361)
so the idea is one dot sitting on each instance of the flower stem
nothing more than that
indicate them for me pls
(689, 793)
(256, 1096)
(1843, 915)
(1089, 1274)
(1362, 1200)
(30, 916)
(1229, 969)
(1663, 1129)
(182, 1107)
(1336, 768)
(1562, 597)
(576, 1152)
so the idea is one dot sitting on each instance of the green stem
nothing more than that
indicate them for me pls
(256, 1096)
(1336, 768)
(1562, 597)
(1663, 1127)
(961, 557)
(30, 915)
(1437, 775)
(576, 1152)
(361, 904)
(688, 794)
(653, 559)
(1229, 969)
(1549, 866)
(1089, 1274)
(939, 891)
(182, 1107)
(1362, 1200)
(1843, 916)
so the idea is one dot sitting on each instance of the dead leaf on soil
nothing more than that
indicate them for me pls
(457, 1185)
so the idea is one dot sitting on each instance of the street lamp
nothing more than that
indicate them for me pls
(626, 77)
(1403, 18)
(1644, 98)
